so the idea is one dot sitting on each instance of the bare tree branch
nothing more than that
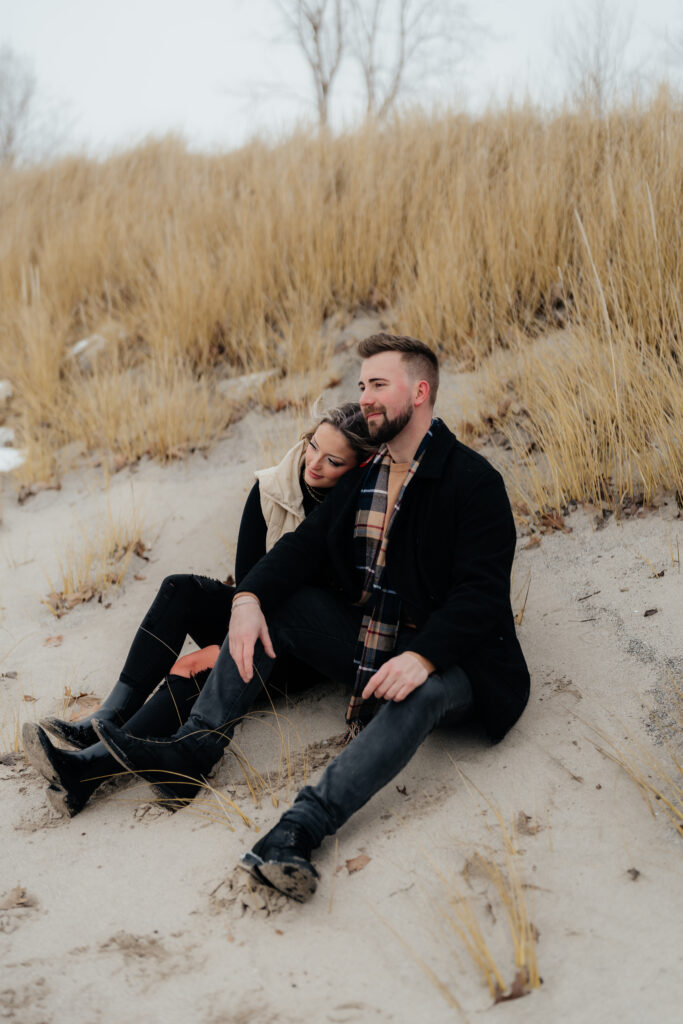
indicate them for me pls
(398, 45)
(318, 29)
(17, 95)
(593, 52)
(30, 129)
(403, 45)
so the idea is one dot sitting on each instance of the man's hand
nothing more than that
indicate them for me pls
(247, 625)
(398, 677)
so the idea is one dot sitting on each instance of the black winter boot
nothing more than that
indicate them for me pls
(171, 766)
(74, 775)
(122, 702)
(281, 859)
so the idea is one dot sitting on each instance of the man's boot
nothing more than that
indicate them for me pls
(172, 767)
(281, 859)
(74, 775)
(122, 702)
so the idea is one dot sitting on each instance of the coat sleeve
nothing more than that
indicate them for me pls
(476, 607)
(298, 559)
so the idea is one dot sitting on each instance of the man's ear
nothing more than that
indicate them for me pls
(421, 392)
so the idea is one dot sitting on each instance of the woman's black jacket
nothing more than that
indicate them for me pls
(449, 558)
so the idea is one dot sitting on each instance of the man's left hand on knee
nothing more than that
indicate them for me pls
(398, 677)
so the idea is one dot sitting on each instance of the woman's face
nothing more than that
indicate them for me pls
(328, 456)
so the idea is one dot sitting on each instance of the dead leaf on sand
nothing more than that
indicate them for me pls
(83, 699)
(29, 699)
(86, 705)
(140, 549)
(357, 863)
(554, 521)
(526, 825)
(53, 641)
(650, 611)
(518, 988)
(71, 698)
(17, 897)
(533, 541)
(27, 491)
(61, 603)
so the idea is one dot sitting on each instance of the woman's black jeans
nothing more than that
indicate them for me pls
(185, 605)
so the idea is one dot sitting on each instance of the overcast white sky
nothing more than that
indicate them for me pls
(128, 68)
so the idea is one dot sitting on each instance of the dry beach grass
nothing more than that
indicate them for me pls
(477, 235)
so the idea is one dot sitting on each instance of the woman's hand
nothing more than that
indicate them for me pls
(247, 625)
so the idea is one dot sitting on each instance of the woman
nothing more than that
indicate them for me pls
(197, 606)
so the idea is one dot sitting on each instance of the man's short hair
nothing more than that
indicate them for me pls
(422, 361)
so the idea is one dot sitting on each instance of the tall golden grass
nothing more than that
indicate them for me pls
(475, 233)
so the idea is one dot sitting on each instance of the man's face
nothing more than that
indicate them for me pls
(387, 394)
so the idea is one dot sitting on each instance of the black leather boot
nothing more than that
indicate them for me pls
(172, 767)
(122, 702)
(281, 859)
(74, 775)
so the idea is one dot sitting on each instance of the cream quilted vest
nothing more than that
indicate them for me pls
(282, 502)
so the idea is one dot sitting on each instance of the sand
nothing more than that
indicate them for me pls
(129, 912)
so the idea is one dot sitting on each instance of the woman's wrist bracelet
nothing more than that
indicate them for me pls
(244, 599)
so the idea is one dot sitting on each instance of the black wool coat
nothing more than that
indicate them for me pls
(449, 558)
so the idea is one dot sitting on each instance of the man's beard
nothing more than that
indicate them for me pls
(386, 430)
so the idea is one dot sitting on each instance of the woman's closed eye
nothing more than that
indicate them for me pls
(333, 462)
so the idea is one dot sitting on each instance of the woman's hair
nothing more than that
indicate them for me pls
(349, 421)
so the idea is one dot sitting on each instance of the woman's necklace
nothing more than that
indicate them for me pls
(316, 497)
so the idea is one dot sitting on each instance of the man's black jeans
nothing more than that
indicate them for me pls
(321, 630)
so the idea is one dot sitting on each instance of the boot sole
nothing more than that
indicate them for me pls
(65, 801)
(38, 755)
(169, 799)
(298, 880)
(62, 732)
(58, 798)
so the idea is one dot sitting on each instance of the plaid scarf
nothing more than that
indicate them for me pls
(380, 624)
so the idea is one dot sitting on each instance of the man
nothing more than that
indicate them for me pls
(399, 586)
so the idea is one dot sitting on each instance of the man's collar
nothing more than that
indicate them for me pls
(437, 452)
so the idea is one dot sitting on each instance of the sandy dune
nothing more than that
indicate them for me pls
(129, 912)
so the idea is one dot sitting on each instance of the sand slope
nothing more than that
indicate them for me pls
(137, 914)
